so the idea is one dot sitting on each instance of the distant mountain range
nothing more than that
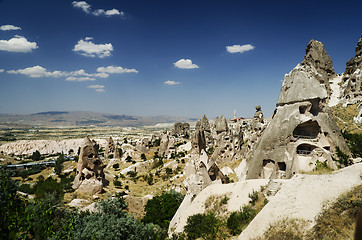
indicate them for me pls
(83, 118)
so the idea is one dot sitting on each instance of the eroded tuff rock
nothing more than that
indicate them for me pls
(143, 145)
(167, 145)
(90, 177)
(110, 147)
(302, 130)
(319, 63)
(221, 125)
(352, 77)
(181, 129)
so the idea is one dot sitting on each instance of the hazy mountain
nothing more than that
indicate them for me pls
(84, 118)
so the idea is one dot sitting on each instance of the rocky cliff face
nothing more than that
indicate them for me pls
(319, 63)
(352, 77)
(302, 130)
(90, 177)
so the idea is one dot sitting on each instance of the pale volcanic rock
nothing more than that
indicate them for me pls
(27, 147)
(303, 197)
(302, 126)
(90, 177)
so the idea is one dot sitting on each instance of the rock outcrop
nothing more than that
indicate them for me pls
(90, 177)
(319, 63)
(302, 130)
(181, 130)
(352, 77)
(110, 147)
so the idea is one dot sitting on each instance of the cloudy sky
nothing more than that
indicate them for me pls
(158, 57)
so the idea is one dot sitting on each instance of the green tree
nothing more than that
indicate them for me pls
(205, 226)
(58, 168)
(36, 156)
(160, 209)
(11, 207)
(111, 222)
(143, 157)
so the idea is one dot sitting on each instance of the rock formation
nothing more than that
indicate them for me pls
(317, 59)
(221, 125)
(110, 147)
(302, 130)
(352, 77)
(143, 145)
(90, 177)
(181, 130)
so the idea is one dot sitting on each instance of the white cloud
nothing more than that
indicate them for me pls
(87, 48)
(171, 82)
(83, 5)
(99, 12)
(9, 27)
(78, 76)
(17, 44)
(239, 48)
(37, 71)
(115, 69)
(2, 70)
(81, 72)
(98, 88)
(80, 79)
(185, 64)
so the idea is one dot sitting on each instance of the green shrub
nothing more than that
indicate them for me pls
(254, 196)
(354, 142)
(36, 156)
(128, 158)
(143, 156)
(116, 165)
(58, 168)
(49, 186)
(204, 226)
(111, 222)
(240, 219)
(117, 183)
(160, 209)
(26, 188)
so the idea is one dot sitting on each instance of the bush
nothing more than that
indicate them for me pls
(354, 142)
(143, 157)
(160, 209)
(253, 197)
(36, 156)
(111, 222)
(26, 188)
(204, 226)
(59, 164)
(116, 165)
(128, 158)
(238, 220)
(49, 186)
(117, 183)
(132, 174)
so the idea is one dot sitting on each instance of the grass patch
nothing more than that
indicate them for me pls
(337, 221)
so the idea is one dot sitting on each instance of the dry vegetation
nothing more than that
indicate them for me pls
(344, 118)
(337, 221)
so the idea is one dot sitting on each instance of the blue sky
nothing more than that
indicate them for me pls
(149, 57)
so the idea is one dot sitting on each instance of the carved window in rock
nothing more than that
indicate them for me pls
(268, 168)
(307, 130)
(305, 149)
(282, 166)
